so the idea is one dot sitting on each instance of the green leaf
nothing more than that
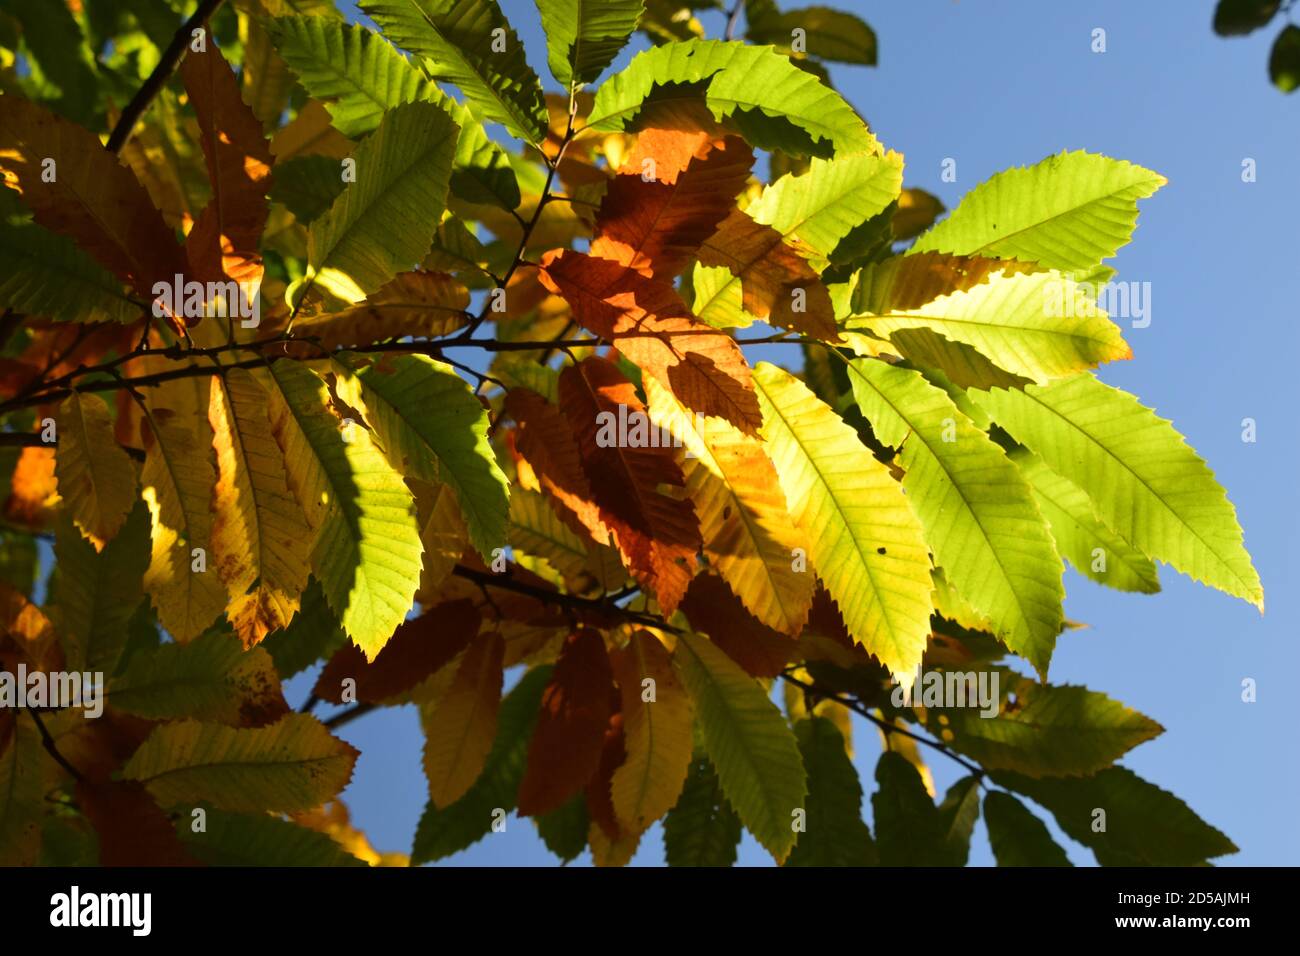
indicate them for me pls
(702, 829)
(748, 740)
(98, 591)
(773, 103)
(459, 41)
(584, 36)
(1037, 326)
(385, 221)
(443, 832)
(238, 839)
(828, 34)
(292, 765)
(1239, 17)
(957, 814)
(433, 427)
(1018, 837)
(368, 552)
(22, 793)
(364, 77)
(1143, 824)
(564, 831)
(307, 186)
(43, 273)
(1144, 480)
(909, 828)
(1284, 59)
(836, 834)
(1081, 536)
(864, 539)
(979, 516)
(56, 45)
(823, 207)
(1042, 730)
(210, 678)
(1068, 212)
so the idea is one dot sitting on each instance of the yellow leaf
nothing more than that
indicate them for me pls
(748, 532)
(260, 540)
(294, 764)
(462, 724)
(657, 733)
(95, 476)
(178, 476)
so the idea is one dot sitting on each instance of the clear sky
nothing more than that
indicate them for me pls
(1000, 83)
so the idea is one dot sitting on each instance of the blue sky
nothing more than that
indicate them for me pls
(1003, 83)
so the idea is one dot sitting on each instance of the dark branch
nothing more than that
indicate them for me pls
(159, 77)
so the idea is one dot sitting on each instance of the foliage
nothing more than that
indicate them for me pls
(588, 553)
(1234, 18)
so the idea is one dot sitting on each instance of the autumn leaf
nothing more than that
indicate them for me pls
(566, 745)
(463, 723)
(223, 242)
(777, 283)
(647, 322)
(655, 225)
(95, 476)
(657, 535)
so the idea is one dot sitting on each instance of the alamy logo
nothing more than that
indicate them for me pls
(1065, 298)
(198, 300)
(134, 910)
(633, 429)
(56, 689)
(949, 689)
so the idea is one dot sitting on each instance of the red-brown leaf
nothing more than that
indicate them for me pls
(417, 649)
(657, 226)
(657, 535)
(647, 321)
(714, 610)
(570, 733)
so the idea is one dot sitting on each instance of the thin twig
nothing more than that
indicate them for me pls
(53, 750)
(733, 19)
(885, 725)
(158, 78)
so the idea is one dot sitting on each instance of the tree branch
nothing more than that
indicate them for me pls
(50, 747)
(888, 727)
(160, 75)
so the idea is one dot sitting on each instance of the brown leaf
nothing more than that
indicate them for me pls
(657, 535)
(771, 271)
(570, 733)
(600, 802)
(657, 226)
(421, 304)
(647, 321)
(714, 610)
(224, 241)
(91, 198)
(417, 649)
(33, 491)
(545, 441)
(133, 830)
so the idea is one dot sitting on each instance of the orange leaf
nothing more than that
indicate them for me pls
(545, 441)
(33, 489)
(90, 198)
(570, 734)
(657, 535)
(417, 649)
(646, 320)
(771, 272)
(224, 241)
(657, 226)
